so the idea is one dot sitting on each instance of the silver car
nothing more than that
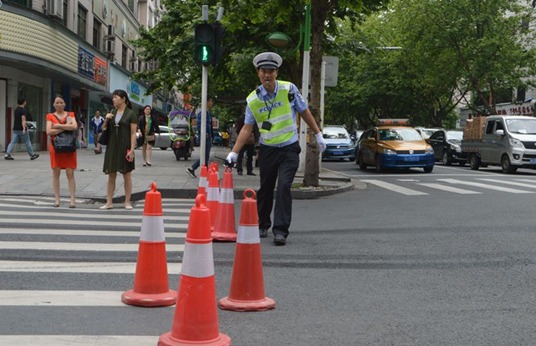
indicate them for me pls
(165, 139)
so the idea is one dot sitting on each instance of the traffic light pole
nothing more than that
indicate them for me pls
(203, 139)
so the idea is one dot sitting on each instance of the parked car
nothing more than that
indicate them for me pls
(394, 147)
(426, 132)
(339, 146)
(163, 141)
(447, 147)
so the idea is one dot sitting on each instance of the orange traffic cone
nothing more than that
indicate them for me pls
(213, 195)
(151, 286)
(196, 317)
(225, 225)
(203, 182)
(247, 281)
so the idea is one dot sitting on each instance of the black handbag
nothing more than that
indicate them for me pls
(64, 142)
(103, 137)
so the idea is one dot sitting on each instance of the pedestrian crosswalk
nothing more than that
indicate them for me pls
(473, 186)
(40, 243)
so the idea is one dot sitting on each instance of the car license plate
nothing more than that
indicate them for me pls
(335, 152)
(533, 161)
(411, 158)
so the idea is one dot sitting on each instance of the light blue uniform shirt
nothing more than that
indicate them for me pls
(297, 105)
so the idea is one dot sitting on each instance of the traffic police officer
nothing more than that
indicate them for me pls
(273, 107)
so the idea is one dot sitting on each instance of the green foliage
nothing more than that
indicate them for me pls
(451, 49)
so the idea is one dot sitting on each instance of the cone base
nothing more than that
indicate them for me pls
(223, 236)
(168, 340)
(246, 305)
(157, 299)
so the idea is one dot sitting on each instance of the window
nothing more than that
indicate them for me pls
(97, 34)
(26, 3)
(82, 21)
(124, 56)
(65, 11)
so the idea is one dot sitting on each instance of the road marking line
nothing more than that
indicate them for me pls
(395, 188)
(450, 189)
(484, 186)
(88, 232)
(19, 245)
(84, 223)
(61, 298)
(530, 186)
(78, 267)
(79, 340)
(50, 214)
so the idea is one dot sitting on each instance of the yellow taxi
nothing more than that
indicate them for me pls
(392, 146)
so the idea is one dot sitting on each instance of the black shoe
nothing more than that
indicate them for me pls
(191, 172)
(279, 240)
(239, 172)
(8, 157)
(251, 173)
(263, 233)
(34, 156)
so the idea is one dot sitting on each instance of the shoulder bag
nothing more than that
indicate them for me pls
(64, 142)
(103, 137)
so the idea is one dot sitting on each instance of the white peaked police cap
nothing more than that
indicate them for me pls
(267, 60)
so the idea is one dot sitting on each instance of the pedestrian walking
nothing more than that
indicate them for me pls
(148, 129)
(121, 124)
(58, 122)
(209, 137)
(96, 128)
(273, 107)
(20, 130)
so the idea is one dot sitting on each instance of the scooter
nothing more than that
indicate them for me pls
(179, 123)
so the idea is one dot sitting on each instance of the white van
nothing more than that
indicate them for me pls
(508, 141)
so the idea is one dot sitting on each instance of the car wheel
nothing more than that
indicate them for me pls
(506, 165)
(379, 167)
(446, 160)
(474, 162)
(428, 169)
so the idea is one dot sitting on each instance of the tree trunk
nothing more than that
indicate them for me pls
(319, 11)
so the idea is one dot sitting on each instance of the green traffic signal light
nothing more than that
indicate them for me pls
(204, 54)
(205, 44)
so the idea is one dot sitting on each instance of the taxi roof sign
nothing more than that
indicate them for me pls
(394, 122)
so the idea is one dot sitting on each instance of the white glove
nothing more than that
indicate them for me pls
(320, 142)
(232, 157)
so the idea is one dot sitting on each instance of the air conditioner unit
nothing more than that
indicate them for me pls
(109, 48)
(55, 8)
(110, 33)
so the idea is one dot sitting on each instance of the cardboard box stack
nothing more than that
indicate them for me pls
(474, 128)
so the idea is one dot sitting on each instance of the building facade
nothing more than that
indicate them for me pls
(80, 49)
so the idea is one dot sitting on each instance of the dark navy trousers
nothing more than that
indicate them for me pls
(277, 165)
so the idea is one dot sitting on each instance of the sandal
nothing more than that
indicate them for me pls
(72, 206)
(56, 205)
(145, 164)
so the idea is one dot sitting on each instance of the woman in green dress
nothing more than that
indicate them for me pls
(122, 125)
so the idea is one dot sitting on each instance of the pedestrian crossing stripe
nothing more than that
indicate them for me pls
(445, 185)
(79, 267)
(394, 187)
(80, 340)
(61, 246)
(485, 186)
(449, 189)
(82, 232)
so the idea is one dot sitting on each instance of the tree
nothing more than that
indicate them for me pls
(247, 22)
(451, 50)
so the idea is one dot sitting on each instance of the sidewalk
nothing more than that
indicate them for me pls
(25, 177)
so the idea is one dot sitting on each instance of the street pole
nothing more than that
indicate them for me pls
(204, 88)
(302, 135)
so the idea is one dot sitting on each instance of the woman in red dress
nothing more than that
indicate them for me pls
(58, 122)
